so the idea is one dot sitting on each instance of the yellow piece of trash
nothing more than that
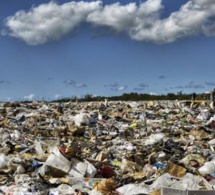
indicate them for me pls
(6, 123)
(116, 163)
(133, 125)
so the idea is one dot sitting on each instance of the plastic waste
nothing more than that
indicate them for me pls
(82, 119)
(164, 180)
(63, 189)
(3, 161)
(5, 135)
(143, 145)
(133, 189)
(203, 115)
(189, 182)
(207, 168)
(91, 170)
(58, 161)
(152, 139)
(38, 148)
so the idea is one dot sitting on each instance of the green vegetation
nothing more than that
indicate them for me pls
(138, 97)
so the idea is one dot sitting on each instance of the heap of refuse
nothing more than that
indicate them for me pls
(111, 148)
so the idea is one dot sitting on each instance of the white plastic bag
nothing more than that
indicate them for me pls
(91, 170)
(62, 189)
(3, 161)
(132, 189)
(154, 138)
(189, 182)
(207, 168)
(164, 180)
(82, 118)
(38, 148)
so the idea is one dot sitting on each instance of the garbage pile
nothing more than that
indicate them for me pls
(111, 148)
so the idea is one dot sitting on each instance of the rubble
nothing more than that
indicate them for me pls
(111, 148)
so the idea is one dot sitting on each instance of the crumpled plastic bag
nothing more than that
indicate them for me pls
(203, 115)
(62, 189)
(154, 138)
(211, 142)
(19, 190)
(207, 168)
(3, 161)
(189, 182)
(82, 119)
(164, 180)
(133, 189)
(91, 170)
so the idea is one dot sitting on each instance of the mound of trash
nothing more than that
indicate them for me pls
(107, 148)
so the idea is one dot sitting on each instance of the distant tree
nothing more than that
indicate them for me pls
(135, 97)
(88, 97)
(180, 93)
(171, 96)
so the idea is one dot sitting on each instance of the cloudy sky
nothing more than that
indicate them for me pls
(63, 48)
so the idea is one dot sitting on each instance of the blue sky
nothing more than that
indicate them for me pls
(63, 48)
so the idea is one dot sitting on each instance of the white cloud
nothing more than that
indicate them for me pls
(74, 83)
(8, 99)
(57, 96)
(142, 22)
(119, 17)
(69, 82)
(79, 85)
(188, 21)
(116, 86)
(29, 97)
(49, 21)
(141, 87)
(119, 88)
(94, 95)
(152, 93)
(113, 85)
(210, 83)
(209, 28)
(193, 85)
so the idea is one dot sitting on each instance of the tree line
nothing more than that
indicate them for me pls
(139, 97)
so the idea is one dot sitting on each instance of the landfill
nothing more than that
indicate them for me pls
(107, 148)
